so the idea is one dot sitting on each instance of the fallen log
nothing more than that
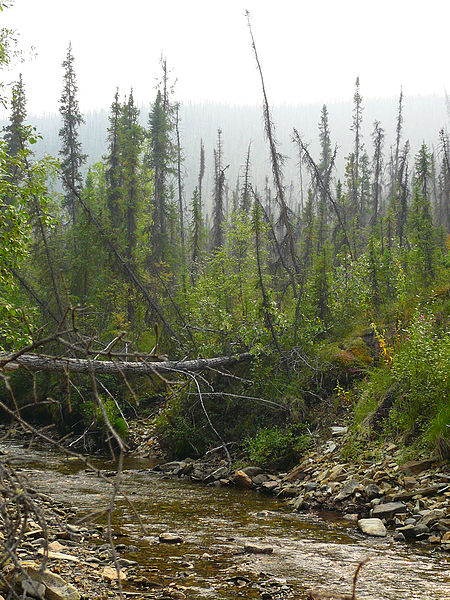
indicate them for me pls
(41, 362)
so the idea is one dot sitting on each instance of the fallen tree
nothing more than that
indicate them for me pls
(41, 362)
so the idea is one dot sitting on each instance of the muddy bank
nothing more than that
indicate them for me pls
(384, 497)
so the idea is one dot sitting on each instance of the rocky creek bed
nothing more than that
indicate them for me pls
(409, 501)
(231, 542)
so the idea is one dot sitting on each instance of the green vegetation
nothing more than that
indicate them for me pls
(340, 294)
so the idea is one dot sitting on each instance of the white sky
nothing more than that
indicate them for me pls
(311, 51)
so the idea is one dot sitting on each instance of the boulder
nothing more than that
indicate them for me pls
(242, 480)
(373, 527)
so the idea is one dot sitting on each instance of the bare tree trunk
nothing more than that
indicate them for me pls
(36, 362)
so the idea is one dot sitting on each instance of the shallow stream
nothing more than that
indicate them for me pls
(215, 523)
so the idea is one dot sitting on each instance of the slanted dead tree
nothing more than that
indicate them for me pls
(325, 189)
(276, 160)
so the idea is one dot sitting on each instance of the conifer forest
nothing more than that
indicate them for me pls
(238, 316)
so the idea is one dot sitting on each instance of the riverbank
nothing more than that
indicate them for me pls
(382, 494)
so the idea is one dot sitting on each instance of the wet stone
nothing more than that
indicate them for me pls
(170, 538)
(258, 548)
(373, 527)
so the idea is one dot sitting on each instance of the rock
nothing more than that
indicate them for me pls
(124, 562)
(388, 510)
(33, 588)
(216, 475)
(111, 574)
(351, 517)
(336, 472)
(399, 537)
(371, 491)
(311, 485)
(171, 467)
(373, 527)
(170, 538)
(417, 466)
(56, 546)
(56, 587)
(252, 471)
(347, 490)
(288, 492)
(410, 482)
(431, 517)
(59, 556)
(242, 480)
(446, 537)
(412, 532)
(434, 539)
(258, 549)
(338, 431)
(258, 479)
(296, 473)
(269, 487)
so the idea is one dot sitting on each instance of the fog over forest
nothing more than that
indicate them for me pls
(424, 116)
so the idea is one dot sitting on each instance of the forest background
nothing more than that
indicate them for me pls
(332, 277)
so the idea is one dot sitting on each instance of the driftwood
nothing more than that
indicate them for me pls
(40, 362)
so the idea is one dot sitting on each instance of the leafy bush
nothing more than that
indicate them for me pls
(277, 448)
(422, 367)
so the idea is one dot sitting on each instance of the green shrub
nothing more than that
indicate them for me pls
(277, 448)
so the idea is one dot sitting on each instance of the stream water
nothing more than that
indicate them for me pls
(309, 550)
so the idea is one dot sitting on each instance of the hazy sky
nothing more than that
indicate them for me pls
(310, 51)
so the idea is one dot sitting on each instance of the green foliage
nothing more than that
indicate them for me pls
(422, 368)
(276, 447)
(92, 417)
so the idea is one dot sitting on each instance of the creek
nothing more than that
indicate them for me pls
(316, 550)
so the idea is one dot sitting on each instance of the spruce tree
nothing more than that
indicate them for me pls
(15, 134)
(218, 199)
(421, 226)
(113, 166)
(161, 161)
(71, 150)
(377, 165)
(245, 203)
(130, 138)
